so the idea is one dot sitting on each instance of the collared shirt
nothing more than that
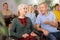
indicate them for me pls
(41, 19)
(32, 17)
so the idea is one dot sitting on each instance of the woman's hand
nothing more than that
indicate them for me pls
(33, 34)
(25, 35)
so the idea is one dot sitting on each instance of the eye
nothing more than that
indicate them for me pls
(24, 8)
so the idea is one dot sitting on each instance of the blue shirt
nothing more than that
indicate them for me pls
(41, 19)
(32, 17)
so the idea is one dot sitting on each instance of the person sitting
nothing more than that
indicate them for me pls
(48, 23)
(22, 27)
(56, 11)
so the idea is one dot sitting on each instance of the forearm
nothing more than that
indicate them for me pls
(54, 24)
(40, 29)
(15, 35)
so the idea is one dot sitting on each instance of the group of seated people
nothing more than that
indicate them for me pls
(28, 20)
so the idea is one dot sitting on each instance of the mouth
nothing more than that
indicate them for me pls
(25, 11)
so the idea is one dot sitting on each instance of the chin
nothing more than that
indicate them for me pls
(42, 12)
(24, 13)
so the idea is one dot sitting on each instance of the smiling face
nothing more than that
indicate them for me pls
(43, 8)
(22, 9)
(57, 7)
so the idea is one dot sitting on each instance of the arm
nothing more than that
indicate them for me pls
(13, 27)
(45, 32)
(13, 30)
(54, 23)
(37, 26)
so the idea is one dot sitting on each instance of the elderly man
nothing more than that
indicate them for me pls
(48, 23)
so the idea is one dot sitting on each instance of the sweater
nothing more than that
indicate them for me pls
(18, 29)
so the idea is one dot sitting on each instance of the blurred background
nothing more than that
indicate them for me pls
(14, 3)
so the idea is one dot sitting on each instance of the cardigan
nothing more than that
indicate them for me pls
(18, 29)
(23, 21)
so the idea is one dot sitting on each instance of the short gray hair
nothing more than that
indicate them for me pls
(44, 4)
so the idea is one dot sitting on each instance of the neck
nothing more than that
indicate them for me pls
(45, 13)
(29, 11)
(57, 10)
(21, 16)
(6, 9)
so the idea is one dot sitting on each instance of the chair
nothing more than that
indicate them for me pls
(40, 35)
(58, 26)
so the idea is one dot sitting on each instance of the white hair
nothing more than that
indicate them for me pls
(21, 6)
(44, 4)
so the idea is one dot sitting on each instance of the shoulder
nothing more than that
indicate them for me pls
(9, 10)
(28, 18)
(15, 19)
(33, 13)
(51, 13)
(27, 14)
(1, 15)
(39, 15)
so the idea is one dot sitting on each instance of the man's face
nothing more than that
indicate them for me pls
(35, 8)
(43, 8)
(30, 8)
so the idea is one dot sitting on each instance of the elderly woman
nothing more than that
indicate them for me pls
(22, 26)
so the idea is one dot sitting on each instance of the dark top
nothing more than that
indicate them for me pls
(23, 21)
(18, 29)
